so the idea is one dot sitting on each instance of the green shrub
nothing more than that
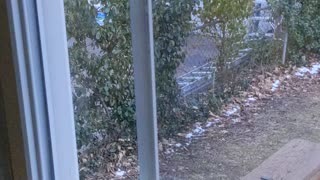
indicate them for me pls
(171, 26)
(303, 23)
(265, 51)
(103, 83)
(224, 22)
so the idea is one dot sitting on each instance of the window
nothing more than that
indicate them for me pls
(107, 89)
(45, 89)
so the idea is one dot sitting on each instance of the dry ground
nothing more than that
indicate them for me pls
(291, 114)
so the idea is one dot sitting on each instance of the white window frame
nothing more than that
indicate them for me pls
(43, 79)
(39, 44)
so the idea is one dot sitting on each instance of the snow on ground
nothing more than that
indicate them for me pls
(212, 123)
(251, 99)
(198, 130)
(236, 120)
(302, 71)
(169, 151)
(275, 85)
(120, 173)
(314, 69)
(232, 110)
(209, 124)
(178, 145)
(189, 135)
(195, 132)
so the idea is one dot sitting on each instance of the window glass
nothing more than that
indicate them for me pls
(99, 43)
(225, 104)
(235, 82)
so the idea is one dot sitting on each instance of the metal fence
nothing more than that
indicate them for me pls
(197, 72)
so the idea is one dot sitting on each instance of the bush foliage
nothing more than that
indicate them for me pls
(171, 26)
(302, 21)
(102, 67)
(225, 22)
(102, 72)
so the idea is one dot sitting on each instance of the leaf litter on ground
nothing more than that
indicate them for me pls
(264, 87)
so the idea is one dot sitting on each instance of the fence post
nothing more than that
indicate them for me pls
(285, 44)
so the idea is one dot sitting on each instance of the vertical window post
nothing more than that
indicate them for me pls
(40, 56)
(144, 77)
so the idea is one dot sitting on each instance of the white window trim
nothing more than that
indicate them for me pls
(40, 53)
(44, 87)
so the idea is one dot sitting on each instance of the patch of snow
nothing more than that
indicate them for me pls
(120, 173)
(302, 71)
(189, 135)
(167, 3)
(178, 145)
(224, 131)
(212, 123)
(249, 101)
(169, 151)
(198, 130)
(232, 111)
(209, 124)
(275, 85)
(237, 120)
(314, 69)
